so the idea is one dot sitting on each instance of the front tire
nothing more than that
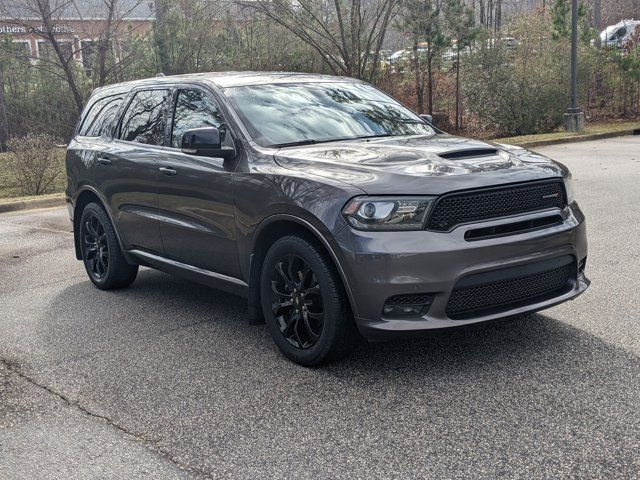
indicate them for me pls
(304, 303)
(101, 254)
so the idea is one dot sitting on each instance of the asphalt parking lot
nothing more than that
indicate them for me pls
(166, 379)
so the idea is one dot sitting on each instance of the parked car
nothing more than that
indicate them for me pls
(509, 43)
(618, 34)
(334, 209)
(383, 56)
(402, 59)
(450, 55)
(400, 55)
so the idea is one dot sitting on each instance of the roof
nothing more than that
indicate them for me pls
(79, 10)
(237, 79)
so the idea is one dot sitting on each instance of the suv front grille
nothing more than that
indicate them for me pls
(472, 206)
(510, 288)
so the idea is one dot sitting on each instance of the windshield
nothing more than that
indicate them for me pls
(280, 115)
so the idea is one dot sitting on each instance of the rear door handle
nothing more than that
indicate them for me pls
(168, 171)
(104, 160)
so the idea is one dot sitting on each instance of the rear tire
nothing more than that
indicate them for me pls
(304, 303)
(101, 254)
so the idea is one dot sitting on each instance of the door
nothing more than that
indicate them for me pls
(128, 169)
(196, 203)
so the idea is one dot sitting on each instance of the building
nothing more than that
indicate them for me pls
(77, 25)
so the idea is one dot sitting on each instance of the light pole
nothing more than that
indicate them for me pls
(574, 117)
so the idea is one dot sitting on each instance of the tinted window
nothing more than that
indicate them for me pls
(144, 120)
(100, 116)
(287, 113)
(194, 109)
(621, 32)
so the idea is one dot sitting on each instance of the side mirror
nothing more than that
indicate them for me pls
(427, 118)
(205, 142)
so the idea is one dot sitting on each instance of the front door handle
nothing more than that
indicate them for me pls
(168, 171)
(104, 160)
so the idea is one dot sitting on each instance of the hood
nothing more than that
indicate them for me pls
(414, 165)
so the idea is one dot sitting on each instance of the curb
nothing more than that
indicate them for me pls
(574, 139)
(57, 201)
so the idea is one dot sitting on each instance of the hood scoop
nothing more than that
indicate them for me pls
(468, 153)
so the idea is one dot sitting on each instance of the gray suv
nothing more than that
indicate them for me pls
(335, 210)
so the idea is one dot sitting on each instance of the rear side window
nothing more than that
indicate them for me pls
(144, 121)
(100, 116)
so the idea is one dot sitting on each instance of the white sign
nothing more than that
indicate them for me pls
(23, 30)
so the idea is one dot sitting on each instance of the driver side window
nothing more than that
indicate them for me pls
(194, 109)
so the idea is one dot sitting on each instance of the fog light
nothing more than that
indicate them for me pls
(405, 306)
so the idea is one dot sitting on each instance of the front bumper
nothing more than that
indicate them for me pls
(379, 265)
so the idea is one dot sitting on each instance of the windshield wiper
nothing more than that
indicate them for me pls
(311, 141)
(377, 135)
(307, 141)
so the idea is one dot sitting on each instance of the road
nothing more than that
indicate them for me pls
(166, 379)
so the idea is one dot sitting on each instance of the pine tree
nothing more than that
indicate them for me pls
(561, 19)
(424, 20)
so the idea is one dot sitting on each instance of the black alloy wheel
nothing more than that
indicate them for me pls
(296, 302)
(95, 246)
(103, 259)
(304, 302)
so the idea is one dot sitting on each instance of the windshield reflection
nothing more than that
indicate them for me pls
(290, 114)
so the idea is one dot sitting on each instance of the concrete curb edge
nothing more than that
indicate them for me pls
(32, 203)
(573, 139)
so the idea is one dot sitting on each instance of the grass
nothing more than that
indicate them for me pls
(591, 128)
(9, 190)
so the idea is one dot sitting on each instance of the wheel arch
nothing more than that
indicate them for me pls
(270, 230)
(84, 197)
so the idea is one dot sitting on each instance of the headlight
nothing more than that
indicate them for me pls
(384, 213)
(570, 188)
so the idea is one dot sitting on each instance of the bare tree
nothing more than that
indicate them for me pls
(423, 19)
(105, 41)
(347, 34)
(161, 36)
(45, 12)
(50, 12)
(111, 32)
(4, 127)
(490, 12)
